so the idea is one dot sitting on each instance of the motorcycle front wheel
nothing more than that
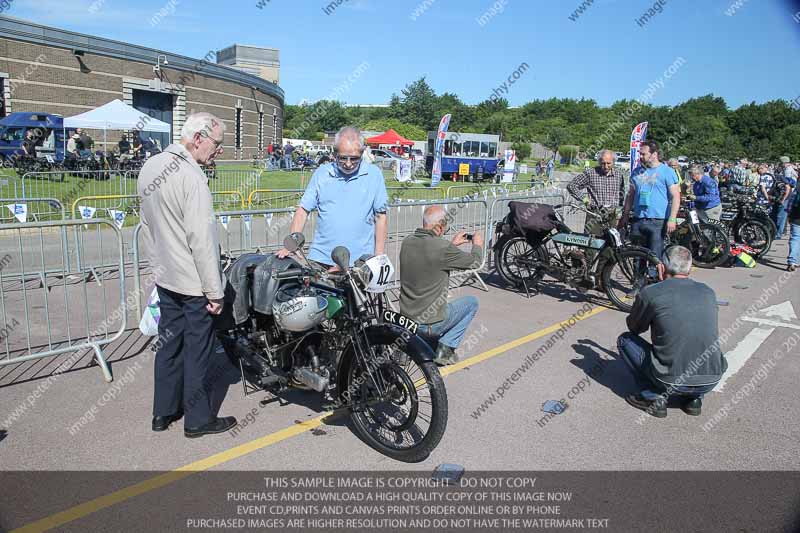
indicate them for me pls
(755, 234)
(628, 272)
(408, 421)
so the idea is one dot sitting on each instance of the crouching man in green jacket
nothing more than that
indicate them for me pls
(426, 260)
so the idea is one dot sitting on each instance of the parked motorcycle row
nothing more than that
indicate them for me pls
(604, 260)
(300, 161)
(86, 165)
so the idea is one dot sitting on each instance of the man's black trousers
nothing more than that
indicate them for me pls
(186, 338)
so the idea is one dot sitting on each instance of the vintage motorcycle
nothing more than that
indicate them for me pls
(748, 222)
(524, 254)
(708, 240)
(305, 328)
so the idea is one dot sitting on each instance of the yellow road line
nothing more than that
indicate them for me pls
(119, 496)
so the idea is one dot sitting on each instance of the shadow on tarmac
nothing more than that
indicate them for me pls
(609, 371)
(554, 289)
(129, 345)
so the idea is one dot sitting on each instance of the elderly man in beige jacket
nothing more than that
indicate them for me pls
(181, 235)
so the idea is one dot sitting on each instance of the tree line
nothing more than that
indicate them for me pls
(699, 128)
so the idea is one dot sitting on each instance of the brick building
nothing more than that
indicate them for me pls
(44, 69)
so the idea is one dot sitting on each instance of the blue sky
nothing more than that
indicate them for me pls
(603, 55)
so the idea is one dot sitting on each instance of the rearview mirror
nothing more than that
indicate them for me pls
(341, 256)
(294, 241)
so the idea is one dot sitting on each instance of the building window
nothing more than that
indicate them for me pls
(260, 130)
(238, 128)
(3, 108)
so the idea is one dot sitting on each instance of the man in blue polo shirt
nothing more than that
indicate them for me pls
(653, 200)
(350, 198)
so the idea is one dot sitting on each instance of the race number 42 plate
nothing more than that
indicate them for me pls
(381, 274)
(397, 319)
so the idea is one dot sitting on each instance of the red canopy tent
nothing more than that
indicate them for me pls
(389, 137)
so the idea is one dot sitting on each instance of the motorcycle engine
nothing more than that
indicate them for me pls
(578, 266)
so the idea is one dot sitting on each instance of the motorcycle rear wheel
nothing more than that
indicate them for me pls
(410, 424)
(513, 258)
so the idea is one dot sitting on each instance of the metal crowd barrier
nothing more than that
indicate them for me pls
(43, 209)
(219, 202)
(414, 194)
(222, 180)
(46, 308)
(66, 184)
(475, 191)
(467, 215)
(118, 202)
(274, 198)
(239, 232)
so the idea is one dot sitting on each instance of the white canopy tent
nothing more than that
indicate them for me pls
(116, 115)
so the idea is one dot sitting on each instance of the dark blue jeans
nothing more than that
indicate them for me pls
(458, 316)
(649, 232)
(636, 352)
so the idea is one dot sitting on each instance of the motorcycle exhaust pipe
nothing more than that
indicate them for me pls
(311, 379)
(242, 351)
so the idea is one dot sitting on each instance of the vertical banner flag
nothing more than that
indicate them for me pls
(508, 169)
(246, 219)
(436, 174)
(638, 136)
(87, 212)
(117, 216)
(268, 216)
(20, 211)
(223, 219)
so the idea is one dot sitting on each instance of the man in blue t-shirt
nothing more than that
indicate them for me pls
(350, 198)
(653, 200)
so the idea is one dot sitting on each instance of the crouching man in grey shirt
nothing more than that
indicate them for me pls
(684, 359)
(426, 260)
(181, 236)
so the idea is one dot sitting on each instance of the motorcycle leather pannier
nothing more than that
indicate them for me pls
(256, 290)
(531, 220)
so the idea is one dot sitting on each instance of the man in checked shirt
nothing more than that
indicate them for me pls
(604, 186)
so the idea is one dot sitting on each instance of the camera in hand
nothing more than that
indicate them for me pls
(468, 236)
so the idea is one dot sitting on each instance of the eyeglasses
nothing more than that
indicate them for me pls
(348, 158)
(217, 143)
